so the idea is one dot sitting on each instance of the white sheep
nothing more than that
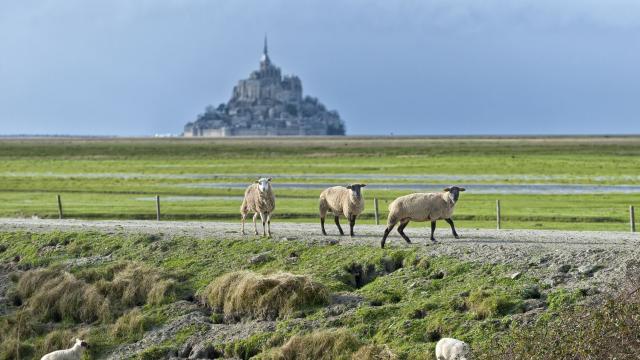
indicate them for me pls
(422, 207)
(73, 353)
(344, 201)
(259, 199)
(452, 349)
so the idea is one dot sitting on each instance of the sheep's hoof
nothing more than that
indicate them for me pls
(456, 236)
(257, 233)
(434, 241)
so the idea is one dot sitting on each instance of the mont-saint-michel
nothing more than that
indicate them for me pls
(267, 104)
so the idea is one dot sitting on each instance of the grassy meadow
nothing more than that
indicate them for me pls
(119, 178)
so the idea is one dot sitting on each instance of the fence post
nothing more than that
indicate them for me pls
(498, 214)
(632, 218)
(375, 210)
(158, 207)
(60, 214)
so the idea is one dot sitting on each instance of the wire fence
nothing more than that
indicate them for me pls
(498, 213)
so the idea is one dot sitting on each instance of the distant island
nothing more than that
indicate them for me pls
(267, 104)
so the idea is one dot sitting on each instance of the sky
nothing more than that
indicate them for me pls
(430, 67)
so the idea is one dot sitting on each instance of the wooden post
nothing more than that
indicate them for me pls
(632, 218)
(158, 207)
(375, 210)
(60, 214)
(498, 214)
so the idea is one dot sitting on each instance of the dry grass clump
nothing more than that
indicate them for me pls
(139, 284)
(320, 345)
(374, 352)
(244, 294)
(55, 295)
(130, 325)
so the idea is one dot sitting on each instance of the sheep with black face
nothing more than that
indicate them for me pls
(344, 201)
(422, 207)
(259, 199)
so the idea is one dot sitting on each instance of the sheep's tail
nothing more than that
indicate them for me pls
(322, 206)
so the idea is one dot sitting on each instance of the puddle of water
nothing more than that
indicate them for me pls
(472, 188)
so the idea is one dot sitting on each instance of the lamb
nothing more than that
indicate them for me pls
(73, 353)
(342, 201)
(422, 207)
(260, 199)
(452, 349)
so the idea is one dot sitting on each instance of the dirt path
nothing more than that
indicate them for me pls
(585, 259)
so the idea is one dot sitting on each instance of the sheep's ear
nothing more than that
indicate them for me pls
(257, 181)
(447, 189)
(462, 189)
(363, 185)
(269, 179)
(348, 187)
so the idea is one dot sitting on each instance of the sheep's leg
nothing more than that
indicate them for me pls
(352, 223)
(244, 217)
(401, 232)
(264, 228)
(269, 224)
(453, 228)
(386, 233)
(323, 214)
(433, 229)
(255, 226)
(337, 220)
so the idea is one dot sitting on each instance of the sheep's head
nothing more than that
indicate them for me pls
(264, 184)
(83, 344)
(454, 192)
(356, 189)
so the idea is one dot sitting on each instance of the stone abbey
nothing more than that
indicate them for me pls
(267, 104)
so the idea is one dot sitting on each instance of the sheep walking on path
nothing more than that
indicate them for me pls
(73, 353)
(452, 349)
(422, 207)
(344, 201)
(259, 199)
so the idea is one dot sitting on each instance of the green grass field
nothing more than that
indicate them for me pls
(118, 178)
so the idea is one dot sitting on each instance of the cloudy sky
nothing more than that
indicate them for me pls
(445, 67)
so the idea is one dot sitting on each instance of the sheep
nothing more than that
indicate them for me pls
(452, 349)
(260, 199)
(342, 201)
(73, 353)
(422, 207)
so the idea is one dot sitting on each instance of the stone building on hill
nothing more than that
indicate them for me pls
(267, 104)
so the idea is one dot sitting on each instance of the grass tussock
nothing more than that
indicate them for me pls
(131, 325)
(245, 294)
(374, 352)
(55, 295)
(139, 284)
(320, 345)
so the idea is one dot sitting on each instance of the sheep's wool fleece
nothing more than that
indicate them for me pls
(452, 349)
(422, 207)
(339, 201)
(254, 201)
(69, 354)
